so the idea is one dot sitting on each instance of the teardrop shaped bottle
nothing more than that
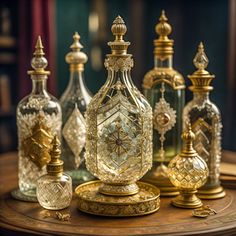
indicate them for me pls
(119, 124)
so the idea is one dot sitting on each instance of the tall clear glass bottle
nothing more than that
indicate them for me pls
(205, 120)
(38, 120)
(119, 124)
(164, 87)
(74, 102)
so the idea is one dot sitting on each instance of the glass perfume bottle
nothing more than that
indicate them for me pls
(74, 102)
(119, 124)
(205, 120)
(164, 87)
(188, 172)
(38, 120)
(54, 190)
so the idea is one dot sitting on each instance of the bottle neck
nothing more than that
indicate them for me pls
(166, 63)
(201, 97)
(77, 86)
(39, 85)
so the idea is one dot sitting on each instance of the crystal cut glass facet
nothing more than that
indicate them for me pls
(74, 133)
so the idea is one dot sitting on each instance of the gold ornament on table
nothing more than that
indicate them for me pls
(187, 172)
(118, 141)
(38, 120)
(205, 119)
(164, 88)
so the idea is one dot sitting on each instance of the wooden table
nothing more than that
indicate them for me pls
(22, 218)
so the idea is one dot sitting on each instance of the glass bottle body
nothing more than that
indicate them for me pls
(205, 120)
(54, 192)
(167, 88)
(119, 129)
(74, 102)
(38, 119)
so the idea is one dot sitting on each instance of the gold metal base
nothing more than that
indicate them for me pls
(211, 193)
(91, 201)
(165, 186)
(187, 199)
(18, 195)
(118, 189)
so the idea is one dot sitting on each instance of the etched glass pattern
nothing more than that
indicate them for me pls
(29, 110)
(54, 192)
(119, 130)
(187, 173)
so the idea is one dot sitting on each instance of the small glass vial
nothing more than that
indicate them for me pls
(205, 119)
(38, 120)
(164, 88)
(54, 190)
(187, 172)
(74, 102)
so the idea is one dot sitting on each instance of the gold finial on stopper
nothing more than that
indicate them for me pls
(163, 28)
(118, 29)
(188, 137)
(201, 78)
(163, 45)
(76, 58)
(39, 62)
(55, 166)
(200, 60)
(118, 46)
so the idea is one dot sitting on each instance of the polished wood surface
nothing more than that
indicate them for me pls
(22, 218)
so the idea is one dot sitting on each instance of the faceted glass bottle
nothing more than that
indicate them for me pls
(205, 120)
(188, 172)
(164, 88)
(54, 190)
(38, 119)
(74, 102)
(119, 124)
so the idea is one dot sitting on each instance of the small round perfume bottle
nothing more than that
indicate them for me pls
(54, 190)
(187, 172)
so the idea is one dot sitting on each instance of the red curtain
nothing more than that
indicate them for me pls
(36, 17)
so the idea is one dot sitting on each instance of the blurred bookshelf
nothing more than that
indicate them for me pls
(8, 74)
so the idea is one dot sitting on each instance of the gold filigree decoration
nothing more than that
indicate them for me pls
(119, 64)
(37, 146)
(204, 212)
(146, 201)
(166, 75)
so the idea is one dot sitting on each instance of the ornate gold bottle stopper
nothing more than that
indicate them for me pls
(201, 78)
(76, 58)
(163, 45)
(119, 59)
(55, 166)
(118, 46)
(39, 62)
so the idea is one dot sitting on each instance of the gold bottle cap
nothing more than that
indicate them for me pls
(76, 58)
(201, 78)
(188, 137)
(163, 45)
(39, 62)
(118, 46)
(55, 166)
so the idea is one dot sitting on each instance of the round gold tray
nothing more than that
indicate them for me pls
(146, 201)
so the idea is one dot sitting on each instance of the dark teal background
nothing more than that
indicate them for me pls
(192, 22)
